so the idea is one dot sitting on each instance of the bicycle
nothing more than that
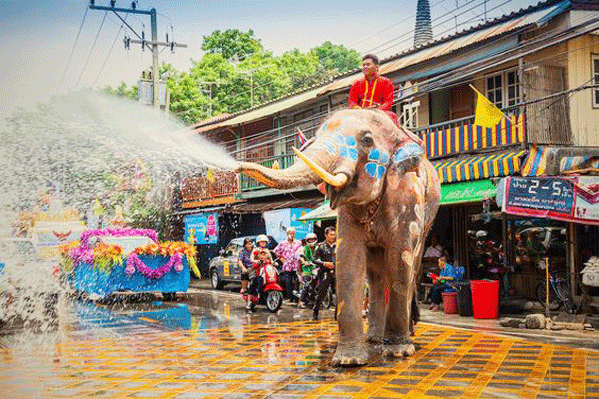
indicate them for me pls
(559, 294)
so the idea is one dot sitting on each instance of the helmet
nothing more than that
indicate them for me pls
(261, 237)
(311, 236)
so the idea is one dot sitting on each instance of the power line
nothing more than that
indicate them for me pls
(64, 73)
(441, 84)
(109, 53)
(91, 50)
(392, 26)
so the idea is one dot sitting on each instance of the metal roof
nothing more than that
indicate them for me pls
(444, 47)
(538, 14)
(272, 108)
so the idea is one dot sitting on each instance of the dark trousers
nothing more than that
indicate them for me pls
(326, 277)
(436, 293)
(256, 285)
(289, 280)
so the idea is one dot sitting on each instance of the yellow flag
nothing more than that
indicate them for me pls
(487, 114)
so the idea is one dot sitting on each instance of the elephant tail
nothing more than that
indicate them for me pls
(415, 311)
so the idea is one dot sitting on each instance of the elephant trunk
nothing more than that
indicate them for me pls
(299, 174)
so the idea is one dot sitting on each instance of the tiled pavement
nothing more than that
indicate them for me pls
(292, 360)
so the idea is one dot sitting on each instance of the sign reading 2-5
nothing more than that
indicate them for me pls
(546, 193)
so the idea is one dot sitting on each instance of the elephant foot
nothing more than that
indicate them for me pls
(348, 356)
(403, 349)
(375, 338)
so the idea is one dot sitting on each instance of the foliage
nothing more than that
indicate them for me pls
(216, 83)
(122, 91)
(232, 42)
(336, 57)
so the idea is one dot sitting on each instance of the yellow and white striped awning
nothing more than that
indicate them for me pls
(480, 166)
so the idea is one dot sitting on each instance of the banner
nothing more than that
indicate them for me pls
(201, 228)
(279, 220)
(570, 199)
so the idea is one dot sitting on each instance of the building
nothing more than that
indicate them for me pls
(540, 65)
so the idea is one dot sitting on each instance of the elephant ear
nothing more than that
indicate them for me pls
(407, 157)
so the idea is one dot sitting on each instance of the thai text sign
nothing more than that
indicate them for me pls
(201, 228)
(572, 199)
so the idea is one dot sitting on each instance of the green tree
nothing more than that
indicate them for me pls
(122, 91)
(232, 42)
(336, 57)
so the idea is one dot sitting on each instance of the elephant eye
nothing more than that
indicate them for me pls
(366, 139)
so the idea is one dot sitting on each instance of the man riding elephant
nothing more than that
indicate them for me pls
(387, 196)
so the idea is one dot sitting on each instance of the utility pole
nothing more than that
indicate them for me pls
(154, 43)
(210, 84)
(251, 73)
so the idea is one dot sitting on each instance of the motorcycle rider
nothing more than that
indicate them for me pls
(325, 258)
(260, 258)
(307, 266)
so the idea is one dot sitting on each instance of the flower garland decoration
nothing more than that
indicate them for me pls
(134, 263)
(170, 248)
(105, 256)
(117, 232)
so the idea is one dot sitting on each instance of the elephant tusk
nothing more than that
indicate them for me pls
(338, 180)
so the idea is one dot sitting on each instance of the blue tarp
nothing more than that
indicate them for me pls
(90, 280)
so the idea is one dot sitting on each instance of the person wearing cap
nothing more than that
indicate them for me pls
(288, 253)
(307, 265)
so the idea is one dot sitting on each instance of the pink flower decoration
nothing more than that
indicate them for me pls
(134, 262)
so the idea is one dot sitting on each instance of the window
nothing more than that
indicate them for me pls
(410, 114)
(503, 89)
(595, 65)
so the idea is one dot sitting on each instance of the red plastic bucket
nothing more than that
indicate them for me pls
(485, 298)
(450, 302)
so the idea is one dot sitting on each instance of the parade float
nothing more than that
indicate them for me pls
(109, 260)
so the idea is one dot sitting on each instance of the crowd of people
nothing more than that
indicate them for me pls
(306, 270)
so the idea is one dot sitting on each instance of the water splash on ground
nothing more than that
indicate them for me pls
(77, 149)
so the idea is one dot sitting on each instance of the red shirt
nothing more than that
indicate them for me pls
(364, 94)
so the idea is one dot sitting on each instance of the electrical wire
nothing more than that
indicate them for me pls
(264, 133)
(64, 73)
(109, 53)
(91, 51)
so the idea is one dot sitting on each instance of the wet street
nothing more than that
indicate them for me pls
(205, 345)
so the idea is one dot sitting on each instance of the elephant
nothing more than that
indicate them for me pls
(387, 195)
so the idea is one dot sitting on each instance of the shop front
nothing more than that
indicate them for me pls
(554, 220)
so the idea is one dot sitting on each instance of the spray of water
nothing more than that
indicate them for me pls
(78, 146)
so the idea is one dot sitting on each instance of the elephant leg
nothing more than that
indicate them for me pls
(397, 328)
(376, 313)
(351, 272)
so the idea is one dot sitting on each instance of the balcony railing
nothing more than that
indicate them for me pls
(462, 136)
(217, 184)
(248, 184)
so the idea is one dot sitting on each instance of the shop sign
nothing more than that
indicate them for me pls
(201, 228)
(278, 220)
(470, 191)
(571, 199)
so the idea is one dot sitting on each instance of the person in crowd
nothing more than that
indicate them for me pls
(325, 259)
(448, 273)
(288, 252)
(307, 266)
(245, 263)
(435, 249)
(260, 257)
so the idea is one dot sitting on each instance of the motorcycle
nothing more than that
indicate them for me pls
(272, 293)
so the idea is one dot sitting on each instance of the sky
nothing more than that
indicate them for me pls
(39, 35)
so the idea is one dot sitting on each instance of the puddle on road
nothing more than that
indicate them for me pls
(174, 352)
